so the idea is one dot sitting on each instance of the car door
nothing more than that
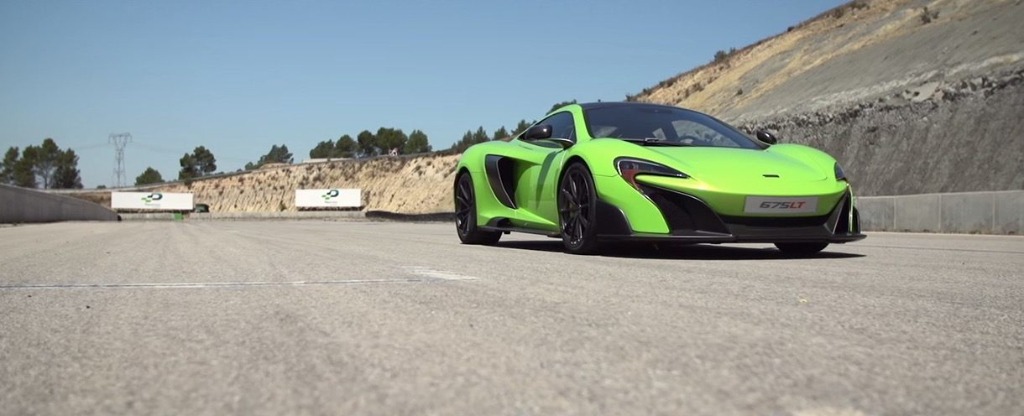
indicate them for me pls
(537, 178)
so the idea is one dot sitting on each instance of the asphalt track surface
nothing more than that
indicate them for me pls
(309, 317)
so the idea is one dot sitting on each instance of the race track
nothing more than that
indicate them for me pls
(312, 317)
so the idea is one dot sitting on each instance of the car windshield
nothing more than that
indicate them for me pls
(662, 125)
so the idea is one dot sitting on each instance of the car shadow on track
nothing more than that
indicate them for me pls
(684, 252)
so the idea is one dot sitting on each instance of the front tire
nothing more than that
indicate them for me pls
(800, 249)
(465, 215)
(577, 210)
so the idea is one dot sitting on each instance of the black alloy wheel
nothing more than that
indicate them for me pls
(465, 215)
(577, 210)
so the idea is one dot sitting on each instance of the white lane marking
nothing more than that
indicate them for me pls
(437, 274)
(424, 275)
(201, 285)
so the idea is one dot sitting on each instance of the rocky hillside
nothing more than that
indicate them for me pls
(407, 185)
(912, 96)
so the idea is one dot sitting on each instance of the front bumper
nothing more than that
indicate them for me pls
(691, 220)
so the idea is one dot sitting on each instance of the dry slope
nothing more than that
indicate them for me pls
(862, 51)
(912, 96)
(396, 184)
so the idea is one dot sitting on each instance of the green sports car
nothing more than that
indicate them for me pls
(598, 172)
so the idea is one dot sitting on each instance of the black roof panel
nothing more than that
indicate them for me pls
(606, 104)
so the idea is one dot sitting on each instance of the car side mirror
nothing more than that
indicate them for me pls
(767, 137)
(544, 132)
(538, 132)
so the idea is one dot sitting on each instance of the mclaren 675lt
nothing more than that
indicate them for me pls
(600, 172)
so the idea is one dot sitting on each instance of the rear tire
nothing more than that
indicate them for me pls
(577, 210)
(465, 215)
(800, 249)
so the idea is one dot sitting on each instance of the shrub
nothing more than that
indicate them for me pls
(927, 16)
(720, 56)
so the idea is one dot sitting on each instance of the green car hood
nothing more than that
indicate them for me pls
(709, 163)
(782, 169)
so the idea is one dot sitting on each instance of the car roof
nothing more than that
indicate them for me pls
(604, 104)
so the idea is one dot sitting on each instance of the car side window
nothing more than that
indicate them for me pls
(562, 126)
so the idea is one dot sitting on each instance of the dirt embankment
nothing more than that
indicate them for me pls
(396, 184)
(408, 185)
(912, 96)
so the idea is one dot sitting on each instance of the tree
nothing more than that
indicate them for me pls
(345, 147)
(37, 164)
(463, 143)
(45, 163)
(275, 155)
(390, 138)
(521, 127)
(480, 135)
(367, 143)
(501, 133)
(417, 143)
(23, 175)
(561, 104)
(7, 165)
(322, 150)
(66, 175)
(205, 161)
(189, 167)
(149, 176)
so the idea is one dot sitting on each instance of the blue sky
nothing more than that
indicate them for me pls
(241, 76)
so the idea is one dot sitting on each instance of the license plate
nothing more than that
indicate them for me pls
(775, 205)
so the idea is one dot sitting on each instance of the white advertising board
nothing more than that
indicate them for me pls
(328, 198)
(151, 200)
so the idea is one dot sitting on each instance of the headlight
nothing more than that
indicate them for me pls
(629, 168)
(840, 175)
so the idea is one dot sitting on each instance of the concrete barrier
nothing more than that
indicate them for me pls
(21, 205)
(877, 213)
(291, 215)
(245, 216)
(999, 212)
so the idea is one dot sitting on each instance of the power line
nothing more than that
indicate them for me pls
(89, 146)
(157, 149)
(164, 150)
